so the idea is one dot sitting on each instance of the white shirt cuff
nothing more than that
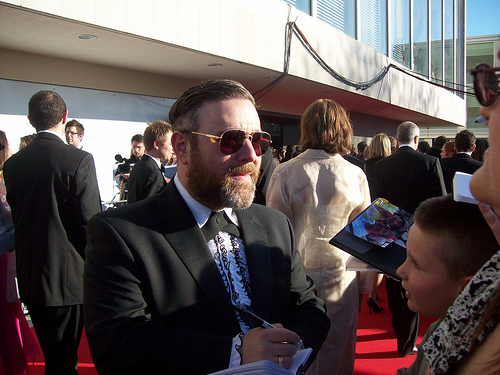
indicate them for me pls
(235, 359)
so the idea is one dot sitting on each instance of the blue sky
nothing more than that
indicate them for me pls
(483, 17)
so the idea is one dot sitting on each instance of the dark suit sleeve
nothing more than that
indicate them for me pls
(156, 185)
(86, 200)
(376, 183)
(439, 174)
(144, 182)
(125, 334)
(266, 170)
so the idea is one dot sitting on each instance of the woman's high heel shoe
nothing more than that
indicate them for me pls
(372, 304)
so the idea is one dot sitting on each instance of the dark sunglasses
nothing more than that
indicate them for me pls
(231, 140)
(485, 84)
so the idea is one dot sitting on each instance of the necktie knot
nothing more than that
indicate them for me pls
(218, 221)
(162, 169)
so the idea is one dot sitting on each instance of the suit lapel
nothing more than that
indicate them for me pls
(259, 262)
(190, 246)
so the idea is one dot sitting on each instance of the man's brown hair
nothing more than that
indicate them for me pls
(325, 125)
(46, 109)
(157, 131)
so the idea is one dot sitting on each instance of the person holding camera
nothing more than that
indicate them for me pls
(122, 172)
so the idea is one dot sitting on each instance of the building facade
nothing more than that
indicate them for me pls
(480, 50)
(120, 63)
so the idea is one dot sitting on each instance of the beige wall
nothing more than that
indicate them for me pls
(248, 31)
(44, 69)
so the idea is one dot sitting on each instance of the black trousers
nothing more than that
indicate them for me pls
(59, 330)
(404, 321)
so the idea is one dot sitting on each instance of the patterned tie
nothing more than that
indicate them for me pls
(230, 261)
(218, 221)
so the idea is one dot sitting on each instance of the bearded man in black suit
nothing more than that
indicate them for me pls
(162, 279)
(52, 191)
(465, 144)
(406, 179)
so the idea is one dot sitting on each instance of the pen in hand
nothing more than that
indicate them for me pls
(261, 322)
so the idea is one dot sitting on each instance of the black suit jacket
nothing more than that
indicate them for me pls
(52, 190)
(155, 302)
(145, 180)
(356, 161)
(266, 171)
(434, 151)
(370, 175)
(407, 178)
(459, 163)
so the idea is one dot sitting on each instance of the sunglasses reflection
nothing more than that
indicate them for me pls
(232, 140)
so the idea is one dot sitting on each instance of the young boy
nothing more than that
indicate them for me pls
(447, 245)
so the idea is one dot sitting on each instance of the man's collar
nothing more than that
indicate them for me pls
(199, 211)
(53, 132)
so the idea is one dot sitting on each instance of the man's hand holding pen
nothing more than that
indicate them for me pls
(269, 342)
(277, 345)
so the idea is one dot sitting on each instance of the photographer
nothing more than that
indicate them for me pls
(122, 172)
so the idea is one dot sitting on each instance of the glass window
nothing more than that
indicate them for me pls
(338, 13)
(449, 43)
(421, 41)
(303, 5)
(436, 41)
(373, 24)
(477, 53)
(400, 32)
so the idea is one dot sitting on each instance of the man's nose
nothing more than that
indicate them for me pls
(247, 152)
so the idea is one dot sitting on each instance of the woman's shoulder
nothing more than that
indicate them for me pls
(485, 360)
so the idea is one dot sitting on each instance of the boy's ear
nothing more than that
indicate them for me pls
(464, 282)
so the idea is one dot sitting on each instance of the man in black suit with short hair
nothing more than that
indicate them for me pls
(52, 191)
(147, 177)
(465, 144)
(406, 178)
(162, 276)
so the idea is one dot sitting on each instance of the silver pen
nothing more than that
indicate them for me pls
(261, 322)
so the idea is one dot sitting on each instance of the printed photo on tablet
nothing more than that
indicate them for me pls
(382, 223)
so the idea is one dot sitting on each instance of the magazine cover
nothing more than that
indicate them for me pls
(376, 237)
(382, 223)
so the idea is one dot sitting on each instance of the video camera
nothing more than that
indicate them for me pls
(125, 165)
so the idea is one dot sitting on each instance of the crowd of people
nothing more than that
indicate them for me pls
(170, 277)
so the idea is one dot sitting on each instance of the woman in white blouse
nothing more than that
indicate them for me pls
(321, 192)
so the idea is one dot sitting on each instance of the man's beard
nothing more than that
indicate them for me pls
(211, 189)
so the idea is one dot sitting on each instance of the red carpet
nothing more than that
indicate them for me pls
(85, 367)
(376, 352)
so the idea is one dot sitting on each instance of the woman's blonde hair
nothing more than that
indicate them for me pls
(4, 152)
(325, 125)
(380, 146)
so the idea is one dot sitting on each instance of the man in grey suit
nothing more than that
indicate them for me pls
(465, 144)
(52, 191)
(163, 276)
(147, 178)
(406, 178)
